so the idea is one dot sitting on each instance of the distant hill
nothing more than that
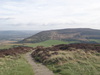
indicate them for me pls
(15, 35)
(78, 34)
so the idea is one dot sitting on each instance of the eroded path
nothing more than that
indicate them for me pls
(39, 69)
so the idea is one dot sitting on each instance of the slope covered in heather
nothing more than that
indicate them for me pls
(72, 59)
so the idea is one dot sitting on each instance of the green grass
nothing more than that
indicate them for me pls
(76, 69)
(95, 40)
(15, 66)
(75, 63)
(47, 43)
(5, 46)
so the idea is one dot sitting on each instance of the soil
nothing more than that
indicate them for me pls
(38, 68)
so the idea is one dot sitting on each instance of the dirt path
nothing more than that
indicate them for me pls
(39, 69)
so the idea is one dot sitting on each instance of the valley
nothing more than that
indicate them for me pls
(15, 35)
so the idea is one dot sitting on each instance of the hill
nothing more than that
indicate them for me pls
(77, 35)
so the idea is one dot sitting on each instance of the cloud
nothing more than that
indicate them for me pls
(6, 18)
(49, 14)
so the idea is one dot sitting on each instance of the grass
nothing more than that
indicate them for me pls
(5, 46)
(95, 40)
(68, 62)
(76, 69)
(47, 43)
(77, 63)
(10, 45)
(15, 66)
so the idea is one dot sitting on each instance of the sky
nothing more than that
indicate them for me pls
(49, 14)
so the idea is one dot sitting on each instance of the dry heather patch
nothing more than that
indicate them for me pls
(70, 59)
(15, 51)
(50, 56)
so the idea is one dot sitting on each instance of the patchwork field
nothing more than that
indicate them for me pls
(46, 43)
(8, 44)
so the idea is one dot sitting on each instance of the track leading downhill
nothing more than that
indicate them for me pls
(39, 69)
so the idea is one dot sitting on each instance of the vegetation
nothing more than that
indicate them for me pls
(76, 63)
(5, 46)
(15, 66)
(65, 60)
(61, 60)
(95, 40)
(15, 35)
(12, 61)
(9, 45)
(46, 43)
(78, 35)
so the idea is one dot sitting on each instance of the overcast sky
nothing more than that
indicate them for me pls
(49, 14)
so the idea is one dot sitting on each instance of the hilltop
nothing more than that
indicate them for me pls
(78, 35)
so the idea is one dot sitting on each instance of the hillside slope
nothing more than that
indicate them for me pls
(78, 34)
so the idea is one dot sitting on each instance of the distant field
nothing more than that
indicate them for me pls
(15, 66)
(47, 43)
(6, 46)
(56, 42)
(95, 40)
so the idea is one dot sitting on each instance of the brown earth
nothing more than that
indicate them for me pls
(38, 68)
(15, 51)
